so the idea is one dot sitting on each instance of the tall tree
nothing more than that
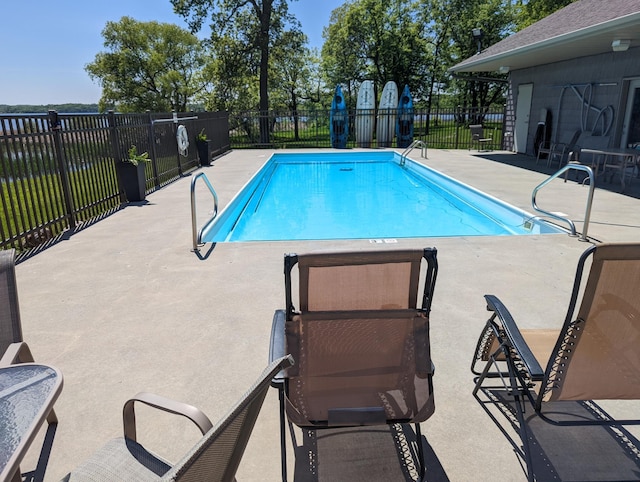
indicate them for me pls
(495, 20)
(294, 78)
(438, 18)
(376, 40)
(341, 62)
(256, 22)
(147, 66)
(530, 11)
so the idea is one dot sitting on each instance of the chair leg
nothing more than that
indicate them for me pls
(420, 452)
(283, 435)
(519, 401)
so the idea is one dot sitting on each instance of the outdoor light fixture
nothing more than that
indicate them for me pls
(477, 36)
(504, 69)
(620, 45)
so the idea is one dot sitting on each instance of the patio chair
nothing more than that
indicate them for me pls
(594, 356)
(361, 340)
(478, 137)
(559, 151)
(12, 347)
(215, 457)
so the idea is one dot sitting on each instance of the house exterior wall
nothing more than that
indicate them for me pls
(587, 93)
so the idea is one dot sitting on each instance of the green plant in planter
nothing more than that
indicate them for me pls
(132, 175)
(204, 148)
(135, 158)
(202, 136)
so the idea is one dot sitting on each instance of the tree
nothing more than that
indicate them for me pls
(495, 19)
(376, 40)
(294, 78)
(438, 18)
(234, 80)
(529, 12)
(254, 23)
(341, 62)
(147, 66)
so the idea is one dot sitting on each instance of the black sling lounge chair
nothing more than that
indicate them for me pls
(594, 356)
(360, 339)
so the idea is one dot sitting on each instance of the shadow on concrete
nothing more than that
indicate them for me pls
(44, 240)
(607, 183)
(583, 452)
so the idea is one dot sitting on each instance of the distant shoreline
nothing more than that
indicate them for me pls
(43, 109)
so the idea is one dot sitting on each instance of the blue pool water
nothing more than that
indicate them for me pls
(362, 195)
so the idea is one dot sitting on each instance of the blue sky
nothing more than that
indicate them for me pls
(45, 45)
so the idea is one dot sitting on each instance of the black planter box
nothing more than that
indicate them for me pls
(204, 152)
(133, 180)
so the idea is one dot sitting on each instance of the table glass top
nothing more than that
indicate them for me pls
(24, 390)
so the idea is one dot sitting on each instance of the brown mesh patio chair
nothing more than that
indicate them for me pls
(478, 138)
(361, 335)
(215, 457)
(594, 356)
(12, 347)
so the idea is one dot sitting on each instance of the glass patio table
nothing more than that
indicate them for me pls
(27, 394)
(613, 158)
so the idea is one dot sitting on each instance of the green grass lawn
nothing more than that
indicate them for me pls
(442, 135)
(35, 201)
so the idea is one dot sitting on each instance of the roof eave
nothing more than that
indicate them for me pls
(471, 65)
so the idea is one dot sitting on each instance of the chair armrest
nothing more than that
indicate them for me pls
(559, 148)
(514, 337)
(18, 352)
(165, 404)
(277, 345)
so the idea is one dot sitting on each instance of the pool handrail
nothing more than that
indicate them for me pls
(197, 233)
(587, 215)
(407, 151)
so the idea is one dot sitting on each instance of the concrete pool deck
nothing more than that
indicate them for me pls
(124, 306)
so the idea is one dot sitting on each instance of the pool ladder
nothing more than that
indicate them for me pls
(414, 144)
(562, 216)
(197, 233)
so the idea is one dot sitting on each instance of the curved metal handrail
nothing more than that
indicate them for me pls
(416, 143)
(587, 215)
(197, 234)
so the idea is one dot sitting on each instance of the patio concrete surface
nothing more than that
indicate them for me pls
(124, 306)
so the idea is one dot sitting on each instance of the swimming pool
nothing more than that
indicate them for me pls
(362, 195)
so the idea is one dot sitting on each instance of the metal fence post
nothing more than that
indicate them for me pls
(458, 112)
(56, 128)
(175, 132)
(152, 142)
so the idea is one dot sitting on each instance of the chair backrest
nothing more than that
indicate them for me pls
(371, 280)
(597, 356)
(362, 341)
(217, 455)
(476, 132)
(10, 327)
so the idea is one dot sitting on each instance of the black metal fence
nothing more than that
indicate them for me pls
(58, 171)
(440, 129)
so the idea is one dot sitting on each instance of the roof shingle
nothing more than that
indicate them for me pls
(583, 14)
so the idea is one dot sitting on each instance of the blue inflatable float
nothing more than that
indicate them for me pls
(339, 120)
(404, 125)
